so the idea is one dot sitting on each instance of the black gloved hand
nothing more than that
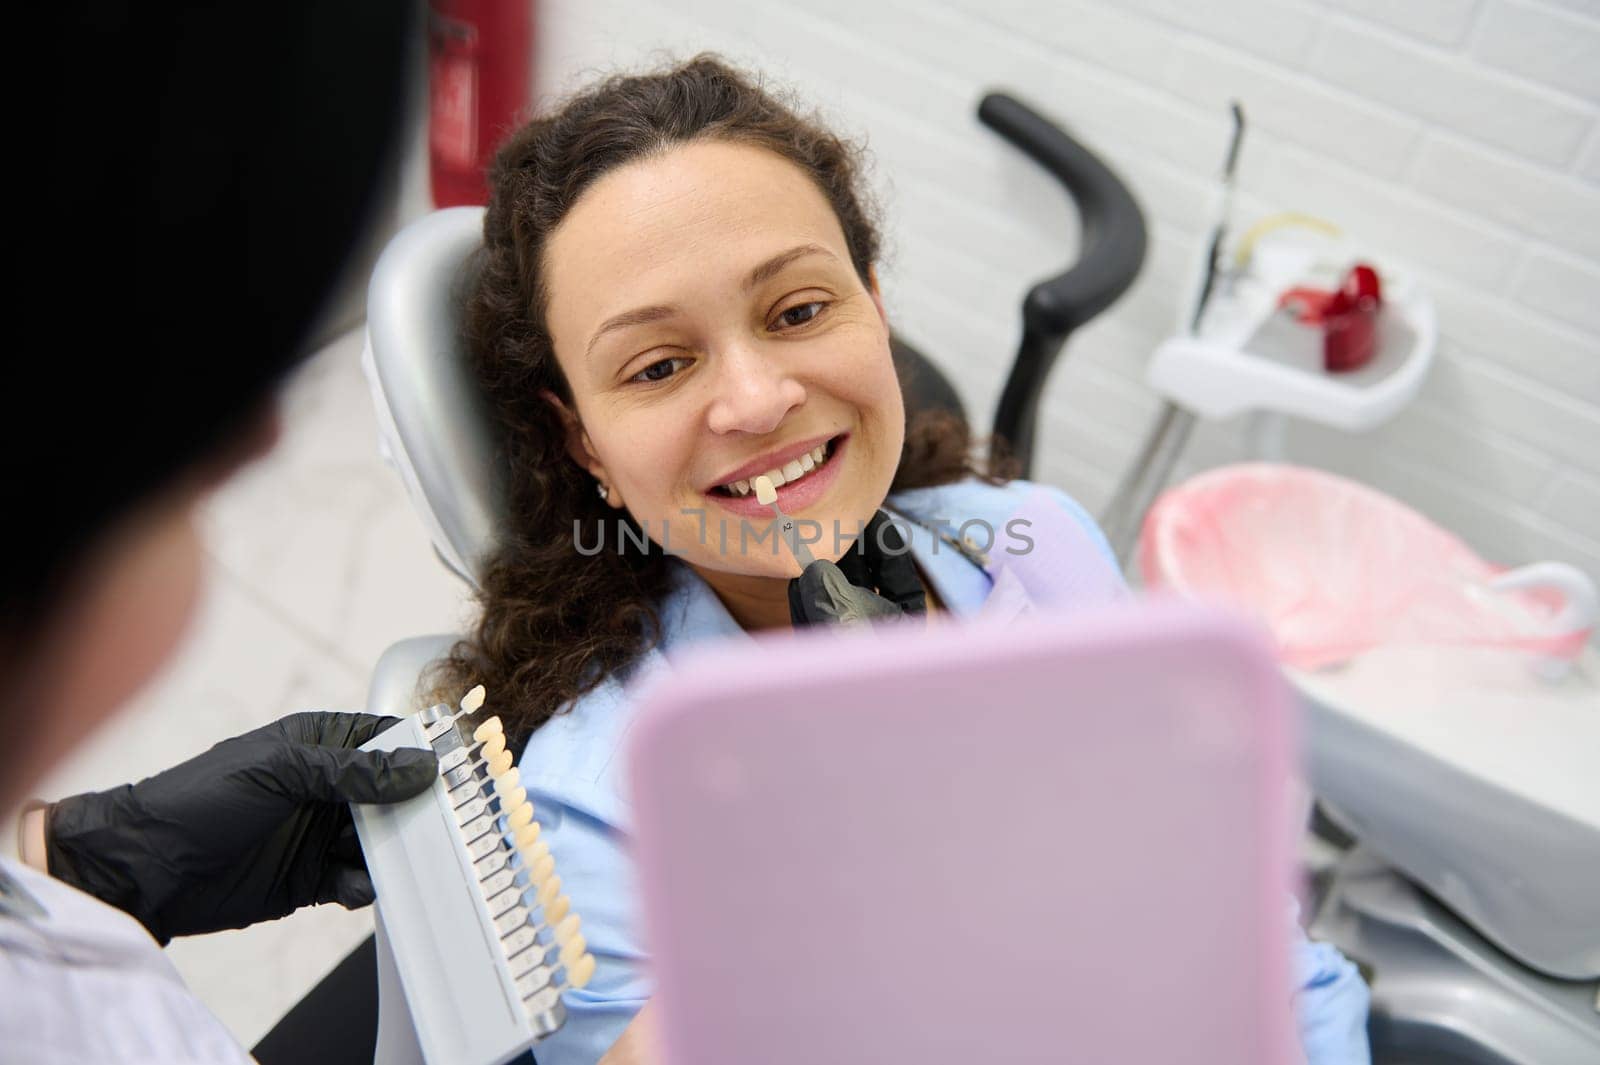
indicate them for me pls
(875, 579)
(822, 595)
(249, 831)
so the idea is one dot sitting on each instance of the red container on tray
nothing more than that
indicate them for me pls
(1349, 317)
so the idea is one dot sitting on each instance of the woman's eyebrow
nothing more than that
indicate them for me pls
(637, 316)
(773, 266)
(764, 272)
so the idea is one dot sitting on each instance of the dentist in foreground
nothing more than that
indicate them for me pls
(206, 172)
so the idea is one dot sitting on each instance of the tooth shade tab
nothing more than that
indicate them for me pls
(557, 910)
(579, 974)
(493, 745)
(472, 700)
(491, 727)
(765, 492)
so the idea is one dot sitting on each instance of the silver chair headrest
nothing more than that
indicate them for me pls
(434, 426)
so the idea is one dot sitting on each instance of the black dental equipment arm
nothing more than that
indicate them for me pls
(1112, 250)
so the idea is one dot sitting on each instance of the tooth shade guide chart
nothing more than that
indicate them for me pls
(476, 943)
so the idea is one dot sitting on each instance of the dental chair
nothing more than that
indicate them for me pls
(435, 431)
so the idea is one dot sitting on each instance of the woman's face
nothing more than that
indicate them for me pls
(706, 315)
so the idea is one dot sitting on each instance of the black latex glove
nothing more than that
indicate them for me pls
(249, 831)
(875, 579)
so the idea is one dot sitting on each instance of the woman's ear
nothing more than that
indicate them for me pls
(580, 447)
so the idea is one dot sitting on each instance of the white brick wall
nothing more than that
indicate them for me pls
(1439, 22)
(1545, 46)
(1460, 136)
(1455, 92)
(1589, 169)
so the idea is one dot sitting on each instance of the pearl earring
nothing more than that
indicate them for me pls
(603, 490)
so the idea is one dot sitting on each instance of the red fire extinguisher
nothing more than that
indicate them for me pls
(480, 62)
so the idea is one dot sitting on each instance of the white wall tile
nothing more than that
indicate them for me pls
(1100, 33)
(973, 351)
(1103, 452)
(1563, 287)
(1144, 120)
(1589, 164)
(1574, 503)
(1280, 32)
(1529, 345)
(1550, 47)
(1295, 107)
(1589, 9)
(1479, 393)
(1531, 200)
(1455, 93)
(1468, 453)
(1394, 219)
(1118, 344)
(1440, 22)
(988, 237)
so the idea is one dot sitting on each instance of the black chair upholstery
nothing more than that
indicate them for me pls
(336, 1023)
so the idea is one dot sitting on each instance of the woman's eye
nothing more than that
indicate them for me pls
(657, 371)
(801, 313)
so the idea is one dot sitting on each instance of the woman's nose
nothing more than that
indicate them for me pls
(754, 393)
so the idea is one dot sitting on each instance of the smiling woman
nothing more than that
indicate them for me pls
(676, 294)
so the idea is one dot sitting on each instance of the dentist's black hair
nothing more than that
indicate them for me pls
(198, 178)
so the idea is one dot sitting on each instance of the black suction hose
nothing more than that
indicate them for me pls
(1112, 250)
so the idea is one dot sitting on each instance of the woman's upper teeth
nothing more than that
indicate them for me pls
(789, 471)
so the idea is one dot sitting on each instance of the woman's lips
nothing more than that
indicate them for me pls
(792, 498)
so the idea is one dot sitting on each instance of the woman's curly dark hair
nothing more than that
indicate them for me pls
(555, 622)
